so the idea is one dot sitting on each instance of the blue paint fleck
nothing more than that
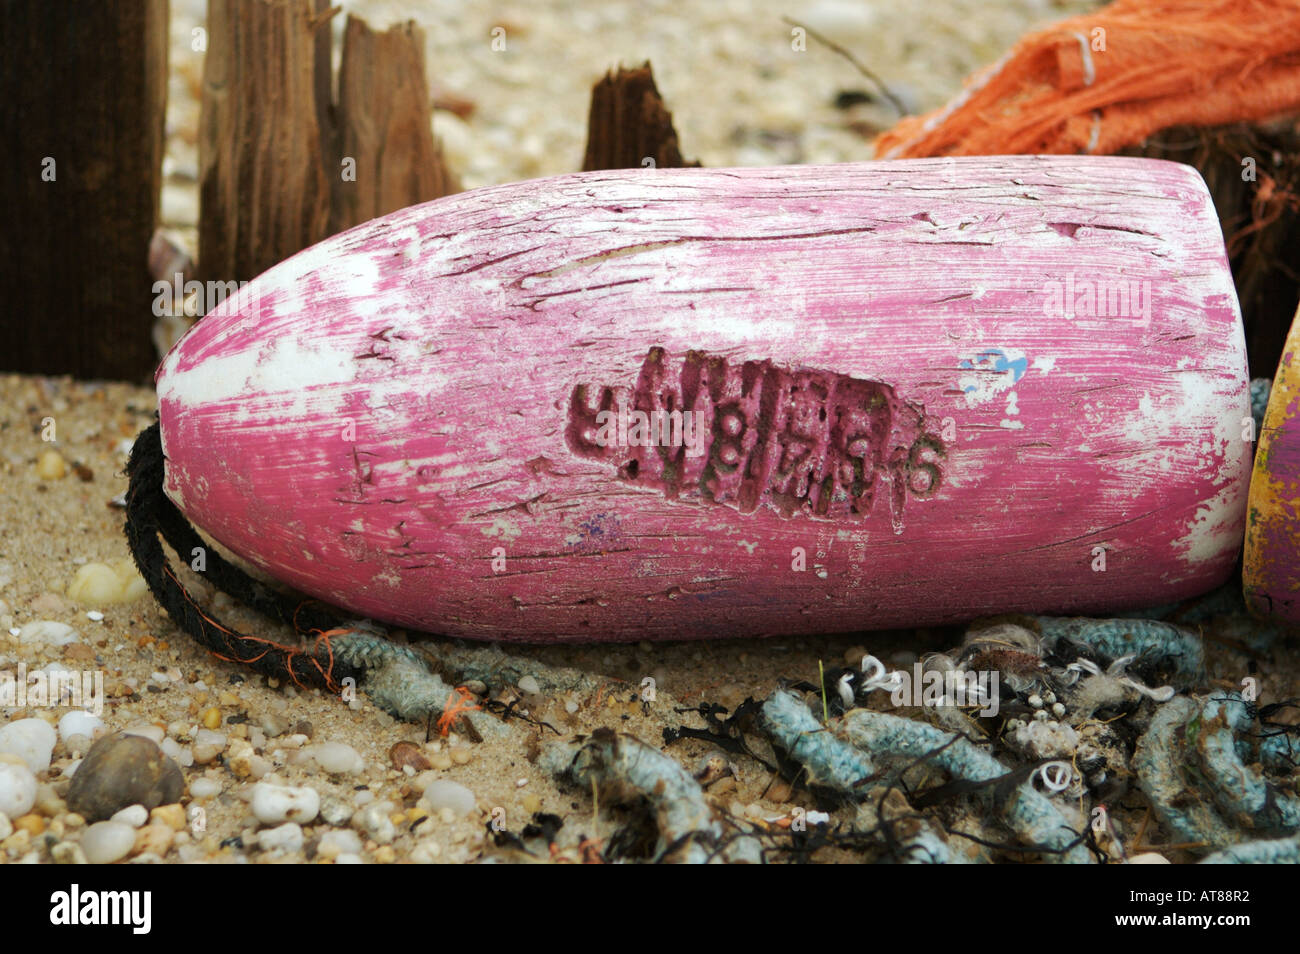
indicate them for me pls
(996, 360)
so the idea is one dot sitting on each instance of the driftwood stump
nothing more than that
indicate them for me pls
(263, 190)
(383, 114)
(629, 124)
(281, 164)
(85, 92)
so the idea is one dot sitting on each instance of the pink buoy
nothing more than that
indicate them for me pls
(701, 402)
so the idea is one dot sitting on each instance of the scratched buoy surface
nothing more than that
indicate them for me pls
(692, 403)
(1271, 568)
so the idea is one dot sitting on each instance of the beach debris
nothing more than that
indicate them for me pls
(122, 770)
(1198, 764)
(622, 769)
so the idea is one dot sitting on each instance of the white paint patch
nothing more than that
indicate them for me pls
(290, 366)
(505, 529)
(1046, 365)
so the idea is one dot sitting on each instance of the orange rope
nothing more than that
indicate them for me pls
(456, 704)
(291, 652)
(1109, 79)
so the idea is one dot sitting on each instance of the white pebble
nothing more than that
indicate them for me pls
(6, 826)
(339, 841)
(287, 837)
(374, 821)
(17, 789)
(426, 852)
(48, 632)
(133, 815)
(79, 722)
(106, 842)
(529, 685)
(273, 804)
(205, 788)
(95, 616)
(32, 740)
(337, 758)
(453, 796)
(349, 858)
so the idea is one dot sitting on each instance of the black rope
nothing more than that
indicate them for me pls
(150, 512)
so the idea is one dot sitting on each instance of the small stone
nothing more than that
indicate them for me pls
(445, 793)
(79, 722)
(107, 841)
(440, 760)
(95, 584)
(374, 821)
(153, 839)
(286, 838)
(385, 855)
(240, 758)
(205, 788)
(426, 852)
(337, 758)
(408, 754)
(17, 789)
(529, 686)
(133, 815)
(68, 853)
(121, 770)
(335, 811)
(31, 823)
(32, 740)
(532, 803)
(272, 804)
(274, 725)
(460, 755)
(48, 801)
(211, 718)
(1148, 858)
(51, 466)
(6, 826)
(173, 816)
(208, 745)
(46, 632)
(338, 841)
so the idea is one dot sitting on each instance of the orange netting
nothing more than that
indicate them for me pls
(1100, 82)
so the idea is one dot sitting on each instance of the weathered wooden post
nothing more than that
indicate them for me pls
(388, 158)
(84, 90)
(264, 194)
(629, 127)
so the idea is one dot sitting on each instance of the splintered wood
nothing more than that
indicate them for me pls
(281, 166)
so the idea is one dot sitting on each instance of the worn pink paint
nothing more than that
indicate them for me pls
(901, 386)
